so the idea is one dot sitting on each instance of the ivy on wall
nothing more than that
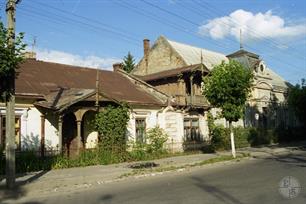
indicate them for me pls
(111, 124)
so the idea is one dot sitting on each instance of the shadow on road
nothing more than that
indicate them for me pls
(297, 160)
(216, 192)
(19, 191)
(106, 198)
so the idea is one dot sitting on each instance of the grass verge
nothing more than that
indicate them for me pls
(218, 159)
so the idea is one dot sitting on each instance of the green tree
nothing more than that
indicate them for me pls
(227, 87)
(10, 58)
(128, 63)
(297, 100)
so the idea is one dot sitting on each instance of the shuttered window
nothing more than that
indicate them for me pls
(191, 129)
(140, 130)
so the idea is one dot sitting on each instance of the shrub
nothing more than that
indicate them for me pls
(220, 138)
(154, 148)
(139, 152)
(156, 138)
(290, 134)
(241, 137)
(261, 136)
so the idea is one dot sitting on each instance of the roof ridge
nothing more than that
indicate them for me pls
(192, 46)
(69, 65)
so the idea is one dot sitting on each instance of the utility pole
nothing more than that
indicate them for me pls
(97, 89)
(10, 105)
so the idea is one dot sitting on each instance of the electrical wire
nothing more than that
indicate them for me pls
(187, 20)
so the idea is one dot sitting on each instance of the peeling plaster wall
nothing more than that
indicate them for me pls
(167, 118)
(173, 125)
(150, 118)
(30, 129)
(171, 121)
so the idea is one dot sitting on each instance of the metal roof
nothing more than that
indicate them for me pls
(192, 55)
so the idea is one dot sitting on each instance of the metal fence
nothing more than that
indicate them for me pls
(38, 153)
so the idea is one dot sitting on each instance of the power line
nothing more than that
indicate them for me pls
(106, 26)
(96, 29)
(192, 9)
(180, 16)
(67, 19)
(255, 33)
(165, 22)
(61, 19)
(172, 13)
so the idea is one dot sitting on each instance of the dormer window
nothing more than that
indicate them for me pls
(261, 67)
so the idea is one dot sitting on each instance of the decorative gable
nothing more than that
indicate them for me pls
(161, 57)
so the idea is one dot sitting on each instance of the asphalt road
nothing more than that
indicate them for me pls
(251, 181)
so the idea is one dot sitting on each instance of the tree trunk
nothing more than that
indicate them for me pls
(232, 139)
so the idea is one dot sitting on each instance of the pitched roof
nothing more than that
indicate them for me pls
(41, 78)
(277, 81)
(64, 97)
(171, 72)
(192, 55)
(252, 60)
(243, 52)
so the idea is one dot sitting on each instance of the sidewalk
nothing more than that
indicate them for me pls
(83, 177)
(65, 180)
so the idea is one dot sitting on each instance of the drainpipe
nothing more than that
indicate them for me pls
(42, 139)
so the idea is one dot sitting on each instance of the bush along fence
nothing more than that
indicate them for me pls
(250, 136)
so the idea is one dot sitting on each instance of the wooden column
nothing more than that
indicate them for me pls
(191, 89)
(181, 88)
(79, 135)
(42, 133)
(60, 134)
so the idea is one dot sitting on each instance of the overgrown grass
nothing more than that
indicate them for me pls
(29, 161)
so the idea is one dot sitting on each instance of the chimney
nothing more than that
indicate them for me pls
(117, 66)
(146, 48)
(30, 55)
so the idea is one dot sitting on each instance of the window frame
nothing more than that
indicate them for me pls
(189, 135)
(143, 137)
(3, 130)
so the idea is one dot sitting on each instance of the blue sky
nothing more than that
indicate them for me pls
(101, 32)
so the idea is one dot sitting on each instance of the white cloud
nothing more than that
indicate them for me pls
(71, 59)
(253, 26)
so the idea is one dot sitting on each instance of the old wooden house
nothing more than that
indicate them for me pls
(177, 69)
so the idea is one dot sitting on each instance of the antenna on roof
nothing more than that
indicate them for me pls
(34, 43)
(202, 66)
(97, 89)
(241, 47)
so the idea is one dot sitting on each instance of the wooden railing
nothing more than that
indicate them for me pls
(180, 100)
(197, 100)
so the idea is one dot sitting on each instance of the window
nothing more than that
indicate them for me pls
(140, 124)
(261, 68)
(191, 129)
(17, 131)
